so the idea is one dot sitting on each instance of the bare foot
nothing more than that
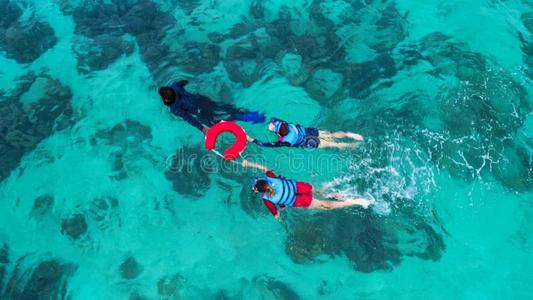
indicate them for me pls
(371, 200)
(355, 136)
(365, 203)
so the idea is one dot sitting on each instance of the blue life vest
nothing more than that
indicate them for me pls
(285, 191)
(295, 136)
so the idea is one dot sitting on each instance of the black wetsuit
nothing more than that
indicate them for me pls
(200, 111)
(271, 144)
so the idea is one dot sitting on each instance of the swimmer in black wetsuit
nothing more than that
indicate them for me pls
(295, 135)
(200, 111)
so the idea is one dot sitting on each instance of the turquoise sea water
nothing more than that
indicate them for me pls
(105, 195)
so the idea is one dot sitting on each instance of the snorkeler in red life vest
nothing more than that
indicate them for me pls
(280, 192)
(296, 135)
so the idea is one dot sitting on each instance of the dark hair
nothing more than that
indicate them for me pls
(283, 129)
(168, 95)
(263, 187)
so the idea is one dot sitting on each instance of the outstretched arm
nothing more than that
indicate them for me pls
(272, 208)
(183, 82)
(270, 174)
(188, 118)
(270, 144)
(248, 164)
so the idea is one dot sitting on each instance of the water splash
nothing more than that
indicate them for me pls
(393, 174)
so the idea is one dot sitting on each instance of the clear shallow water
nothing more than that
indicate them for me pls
(94, 206)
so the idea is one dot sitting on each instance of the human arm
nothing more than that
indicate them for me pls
(191, 120)
(179, 88)
(272, 208)
(183, 113)
(182, 82)
(265, 144)
(270, 144)
(270, 174)
(248, 164)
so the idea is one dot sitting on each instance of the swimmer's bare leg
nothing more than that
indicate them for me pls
(350, 135)
(365, 203)
(328, 205)
(329, 144)
(354, 136)
(327, 135)
(336, 195)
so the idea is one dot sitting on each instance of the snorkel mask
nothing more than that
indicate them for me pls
(276, 125)
(252, 187)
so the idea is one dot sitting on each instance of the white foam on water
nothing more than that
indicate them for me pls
(406, 180)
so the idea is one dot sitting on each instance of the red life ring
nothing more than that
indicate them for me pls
(226, 126)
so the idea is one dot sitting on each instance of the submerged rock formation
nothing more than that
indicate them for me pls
(42, 205)
(188, 173)
(107, 24)
(47, 279)
(481, 116)
(130, 268)
(169, 286)
(23, 40)
(368, 242)
(4, 261)
(74, 226)
(39, 106)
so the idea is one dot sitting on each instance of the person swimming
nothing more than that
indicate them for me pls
(277, 192)
(200, 111)
(295, 135)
